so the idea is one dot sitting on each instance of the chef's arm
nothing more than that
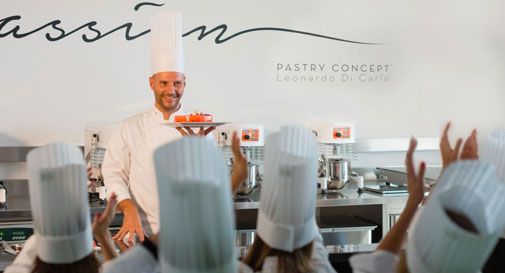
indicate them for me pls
(115, 171)
(116, 165)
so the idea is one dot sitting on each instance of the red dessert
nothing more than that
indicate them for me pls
(181, 118)
(195, 117)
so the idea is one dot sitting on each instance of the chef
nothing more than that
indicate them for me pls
(128, 166)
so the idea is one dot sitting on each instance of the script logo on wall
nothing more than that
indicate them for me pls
(11, 26)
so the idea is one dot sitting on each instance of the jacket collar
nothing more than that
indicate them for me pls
(157, 116)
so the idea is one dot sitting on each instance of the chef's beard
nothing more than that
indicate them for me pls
(169, 106)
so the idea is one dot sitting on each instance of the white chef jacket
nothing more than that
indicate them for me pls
(379, 261)
(319, 259)
(128, 168)
(25, 260)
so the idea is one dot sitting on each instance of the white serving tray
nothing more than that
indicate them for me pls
(194, 124)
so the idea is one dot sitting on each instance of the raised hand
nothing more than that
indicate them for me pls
(415, 182)
(449, 155)
(239, 172)
(101, 223)
(470, 149)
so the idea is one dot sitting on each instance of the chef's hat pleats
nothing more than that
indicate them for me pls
(196, 211)
(286, 218)
(59, 203)
(494, 152)
(471, 178)
(167, 54)
(436, 243)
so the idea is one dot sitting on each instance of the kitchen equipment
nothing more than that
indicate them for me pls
(346, 230)
(251, 142)
(96, 136)
(339, 171)
(243, 240)
(13, 236)
(393, 182)
(3, 196)
(337, 146)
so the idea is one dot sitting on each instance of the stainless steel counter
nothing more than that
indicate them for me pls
(348, 196)
(18, 207)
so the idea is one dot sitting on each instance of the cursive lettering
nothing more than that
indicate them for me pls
(97, 34)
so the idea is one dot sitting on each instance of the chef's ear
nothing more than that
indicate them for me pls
(151, 82)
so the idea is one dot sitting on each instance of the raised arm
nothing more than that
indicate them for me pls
(393, 240)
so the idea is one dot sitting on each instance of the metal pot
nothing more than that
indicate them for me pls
(250, 184)
(339, 171)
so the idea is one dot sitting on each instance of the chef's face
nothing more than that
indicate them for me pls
(168, 88)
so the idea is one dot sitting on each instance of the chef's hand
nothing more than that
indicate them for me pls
(187, 131)
(415, 182)
(239, 172)
(449, 155)
(131, 222)
(470, 149)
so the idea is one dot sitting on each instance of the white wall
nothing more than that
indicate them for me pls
(446, 61)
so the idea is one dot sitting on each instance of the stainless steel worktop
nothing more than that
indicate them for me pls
(348, 196)
(18, 207)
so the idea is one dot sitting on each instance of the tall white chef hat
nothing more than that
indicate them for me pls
(286, 218)
(436, 244)
(59, 203)
(494, 152)
(196, 213)
(167, 53)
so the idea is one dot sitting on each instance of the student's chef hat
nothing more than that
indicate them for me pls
(436, 243)
(286, 218)
(167, 53)
(494, 152)
(59, 203)
(196, 213)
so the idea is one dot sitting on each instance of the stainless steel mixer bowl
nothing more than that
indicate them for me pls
(339, 171)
